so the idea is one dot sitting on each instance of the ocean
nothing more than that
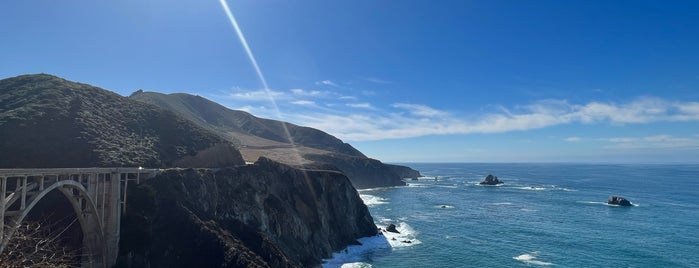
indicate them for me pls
(543, 215)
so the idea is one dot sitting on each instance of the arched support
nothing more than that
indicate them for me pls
(84, 208)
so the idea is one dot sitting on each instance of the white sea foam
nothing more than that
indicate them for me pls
(352, 256)
(531, 188)
(406, 238)
(502, 203)
(371, 200)
(602, 203)
(530, 258)
(417, 185)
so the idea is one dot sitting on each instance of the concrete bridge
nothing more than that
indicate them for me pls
(97, 195)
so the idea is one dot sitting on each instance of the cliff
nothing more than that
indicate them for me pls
(262, 215)
(404, 172)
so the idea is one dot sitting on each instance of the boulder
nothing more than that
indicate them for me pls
(491, 180)
(392, 228)
(619, 201)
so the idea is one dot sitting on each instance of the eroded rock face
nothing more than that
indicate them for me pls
(491, 180)
(263, 214)
(619, 201)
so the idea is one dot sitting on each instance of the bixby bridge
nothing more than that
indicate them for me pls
(97, 196)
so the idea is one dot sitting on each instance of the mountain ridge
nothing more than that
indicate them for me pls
(259, 137)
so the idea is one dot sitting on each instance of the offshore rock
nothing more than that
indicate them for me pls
(392, 228)
(619, 201)
(262, 215)
(491, 180)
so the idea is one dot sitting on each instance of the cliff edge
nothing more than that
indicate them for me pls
(262, 215)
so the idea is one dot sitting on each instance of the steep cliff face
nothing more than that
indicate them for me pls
(365, 172)
(403, 171)
(266, 214)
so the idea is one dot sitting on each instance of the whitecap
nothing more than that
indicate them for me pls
(353, 256)
(531, 188)
(530, 258)
(371, 200)
(406, 238)
(502, 203)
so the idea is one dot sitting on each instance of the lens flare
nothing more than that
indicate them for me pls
(251, 57)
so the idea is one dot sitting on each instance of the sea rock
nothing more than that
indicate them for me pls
(491, 180)
(619, 201)
(392, 228)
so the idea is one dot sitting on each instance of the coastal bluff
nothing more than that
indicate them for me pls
(262, 215)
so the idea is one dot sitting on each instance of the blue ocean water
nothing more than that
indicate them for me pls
(544, 215)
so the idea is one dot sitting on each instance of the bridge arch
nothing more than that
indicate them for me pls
(83, 207)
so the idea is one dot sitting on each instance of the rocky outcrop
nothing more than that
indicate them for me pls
(491, 180)
(404, 172)
(619, 201)
(266, 214)
(392, 228)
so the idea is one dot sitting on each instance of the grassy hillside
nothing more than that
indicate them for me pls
(48, 121)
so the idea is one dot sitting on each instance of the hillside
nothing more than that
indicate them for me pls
(258, 137)
(48, 121)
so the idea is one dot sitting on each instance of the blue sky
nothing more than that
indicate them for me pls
(403, 81)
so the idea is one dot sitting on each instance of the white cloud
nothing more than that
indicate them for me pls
(376, 80)
(414, 120)
(258, 95)
(364, 105)
(302, 92)
(419, 109)
(327, 83)
(573, 139)
(303, 102)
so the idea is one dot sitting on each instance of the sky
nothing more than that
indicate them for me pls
(402, 80)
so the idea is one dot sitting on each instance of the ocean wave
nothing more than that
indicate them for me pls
(602, 203)
(406, 238)
(502, 203)
(352, 256)
(530, 259)
(371, 200)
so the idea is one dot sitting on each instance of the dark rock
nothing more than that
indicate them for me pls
(392, 228)
(404, 172)
(262, 215)
(491, 180)
(619, 201)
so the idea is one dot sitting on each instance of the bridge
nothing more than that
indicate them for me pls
(97, 196)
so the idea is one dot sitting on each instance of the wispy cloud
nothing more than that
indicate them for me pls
(303, 102)
(420, 110)
(376, 80)
(327, 83)
(573, 139)
(414, 120)
(364, 105)
(256, 95)
(302, 92)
